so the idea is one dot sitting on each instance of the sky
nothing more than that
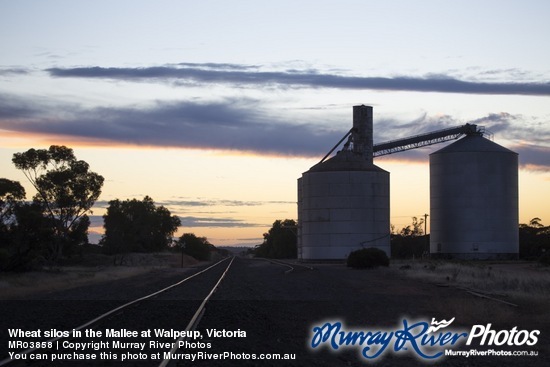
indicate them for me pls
(215, 108)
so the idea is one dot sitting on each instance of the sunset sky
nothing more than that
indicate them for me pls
(215, 108)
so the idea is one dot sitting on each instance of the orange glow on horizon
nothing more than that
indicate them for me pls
(18, 140)
(172, 173)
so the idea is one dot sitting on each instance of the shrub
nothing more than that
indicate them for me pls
(197, 247)
(545, 259)
(368, 258)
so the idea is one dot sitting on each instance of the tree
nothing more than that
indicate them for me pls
(11, 194)
(141, 226)
(279, 241)
(410, 241)
(197, 247)
(534, 239)
(31, 238)
(416, 229)
(535, 222)
(66, 190)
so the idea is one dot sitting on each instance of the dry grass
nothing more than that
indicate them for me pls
(512, 279)
(526, 285)
(93, 269)
(473, 311)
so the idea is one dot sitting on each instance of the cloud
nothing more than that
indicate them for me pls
(13, 71)
(527, 136)
(96, 228)
(242, 125)
(192, 222)
(96, 221)
(533, 158)
(201, 202)
(252, 75)
(216, 66)
(231, 124)
(198, 202)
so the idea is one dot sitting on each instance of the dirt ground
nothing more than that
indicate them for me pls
(94, 268)
(278, 311)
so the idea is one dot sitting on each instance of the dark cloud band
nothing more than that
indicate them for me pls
(210, 222)
(240, 125)
(235, 74)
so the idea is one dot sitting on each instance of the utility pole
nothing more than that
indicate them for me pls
(182, 251)
(426, 234)
(425, 224)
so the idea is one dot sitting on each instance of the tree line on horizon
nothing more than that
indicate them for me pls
(54, 225)
(280, 242)
(412, 242)
(407, 243)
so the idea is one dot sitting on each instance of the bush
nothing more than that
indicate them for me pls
(545, 259)
(279, 242)
(368, 258)
(197, 247)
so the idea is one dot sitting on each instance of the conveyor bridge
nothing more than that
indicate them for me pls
(422, 140)
(416, 141)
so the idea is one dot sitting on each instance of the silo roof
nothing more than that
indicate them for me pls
(474, 143)
(345, 161)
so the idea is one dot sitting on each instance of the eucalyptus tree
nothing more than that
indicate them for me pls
(11, 193)
(137, 226)
(66, 189)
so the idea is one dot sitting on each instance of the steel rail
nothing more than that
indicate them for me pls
(291, 266)
(196, 317)
(102, 316)
(294, 264)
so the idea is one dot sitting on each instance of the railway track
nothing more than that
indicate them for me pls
(275, 307)
(165, 303)
(291, 266)
(196, 317)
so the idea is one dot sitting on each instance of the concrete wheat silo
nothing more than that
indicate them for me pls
(344, 202)
(474, 200)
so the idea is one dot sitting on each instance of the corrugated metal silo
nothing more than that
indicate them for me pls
(474, 200)
(344, 202)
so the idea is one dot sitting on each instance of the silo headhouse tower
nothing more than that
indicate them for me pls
(344, 201)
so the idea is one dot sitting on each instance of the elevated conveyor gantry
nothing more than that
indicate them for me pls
(416, 141)
(422, 140)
